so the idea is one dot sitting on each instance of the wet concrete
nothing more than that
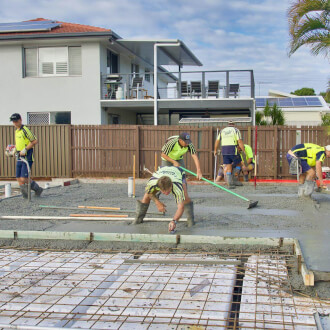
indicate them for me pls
(279, 214)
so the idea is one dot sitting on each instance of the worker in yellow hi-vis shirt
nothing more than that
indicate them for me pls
(172, 155)
(24, 143)
(309, 157)
(247, 165)
(167, 180)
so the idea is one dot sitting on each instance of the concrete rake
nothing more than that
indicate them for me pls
(251, 203)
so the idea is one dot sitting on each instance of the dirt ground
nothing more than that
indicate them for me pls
(279, 214)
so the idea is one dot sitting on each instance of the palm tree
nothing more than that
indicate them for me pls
(309, 24)
(270, 115)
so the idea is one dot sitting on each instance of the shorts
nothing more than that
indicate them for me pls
(304, 166)
(231, 159)
(181, 162)
(22, 170)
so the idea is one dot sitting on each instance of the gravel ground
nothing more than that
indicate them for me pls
(279, 214)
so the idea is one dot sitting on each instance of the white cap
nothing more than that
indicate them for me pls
(327, 147)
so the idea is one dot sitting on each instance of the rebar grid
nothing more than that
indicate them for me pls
(98, 290)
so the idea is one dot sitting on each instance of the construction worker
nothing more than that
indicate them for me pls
(230, 137)
(172, 155)
(247, 165)
(24, 143)
(310, 157)
(168, 179)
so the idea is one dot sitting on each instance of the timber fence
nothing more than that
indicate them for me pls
(107, 151)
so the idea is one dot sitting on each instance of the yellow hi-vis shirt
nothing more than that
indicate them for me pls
(175, 174)
(23, 136)
(229, 137)
(173, 149)
(248, 153)
(310, 152)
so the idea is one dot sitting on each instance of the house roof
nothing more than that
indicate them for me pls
(64, 29)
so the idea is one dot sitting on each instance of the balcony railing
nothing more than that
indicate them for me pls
(179, 85)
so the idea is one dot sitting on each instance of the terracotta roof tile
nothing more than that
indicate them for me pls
(64, 28)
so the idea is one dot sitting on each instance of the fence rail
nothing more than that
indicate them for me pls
(107, 151)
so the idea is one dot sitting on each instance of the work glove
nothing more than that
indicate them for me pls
(23, 152)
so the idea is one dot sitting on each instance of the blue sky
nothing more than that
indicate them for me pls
(224, 34)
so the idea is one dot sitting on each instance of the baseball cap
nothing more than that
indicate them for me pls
(15, 116)
(327, 147)
(185, 137)
(231, 123)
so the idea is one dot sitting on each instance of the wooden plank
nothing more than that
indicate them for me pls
(99, 215)
(307, 275)
(141, 238)
(198, 239)
(182, 262)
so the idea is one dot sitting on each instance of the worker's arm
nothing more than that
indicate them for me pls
(318, 167)
(198, 166)
(241, 145)
(169, 159)
(160, 206)
(28, 147)
(216, 146)
(176, 217)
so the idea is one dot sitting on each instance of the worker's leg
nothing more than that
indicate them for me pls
(220, 175)
(237, 169)
(227, 160)
(141, 209)
(22, 178)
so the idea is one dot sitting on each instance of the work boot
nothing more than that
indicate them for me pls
(230, 182)
(301, 190)
(309, 188)
(24, 190)
(141, 211)
(246, 177)
(236, 178)
(36, 188)
(189, 211)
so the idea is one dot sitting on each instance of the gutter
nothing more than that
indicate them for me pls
(59, 35)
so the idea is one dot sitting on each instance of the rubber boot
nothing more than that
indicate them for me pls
(189, 211)
(309, 188)
(24, 190)
(141, 211)
(246, 177)
(236, 177)
(301, 190)
(230, 181)
(36, 188)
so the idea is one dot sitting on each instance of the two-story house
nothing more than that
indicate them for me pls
(58, 73)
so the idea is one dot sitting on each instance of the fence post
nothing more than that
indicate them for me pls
(69, 150)
(210, 159)
(137, 149)
(276, 158)
(249, 135)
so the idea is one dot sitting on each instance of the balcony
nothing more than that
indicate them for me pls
(215, 84)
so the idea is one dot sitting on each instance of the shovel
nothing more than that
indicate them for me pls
(251, 203)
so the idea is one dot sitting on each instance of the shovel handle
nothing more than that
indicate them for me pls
(217, 185)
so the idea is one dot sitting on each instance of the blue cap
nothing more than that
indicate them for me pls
(185, 137)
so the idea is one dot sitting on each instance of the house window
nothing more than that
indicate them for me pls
(46, 118)
(53, 61)
(147, 74)
(112, 62)
(38, 118)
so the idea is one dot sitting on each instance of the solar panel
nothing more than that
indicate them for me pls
(28, 26)
(260, 102)
(309, 101)
(299, 101)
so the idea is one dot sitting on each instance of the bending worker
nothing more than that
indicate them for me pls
(230, 137)
(24, 142)
(172, 155)
(167, 179)
(310, 156)
(247, 164)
